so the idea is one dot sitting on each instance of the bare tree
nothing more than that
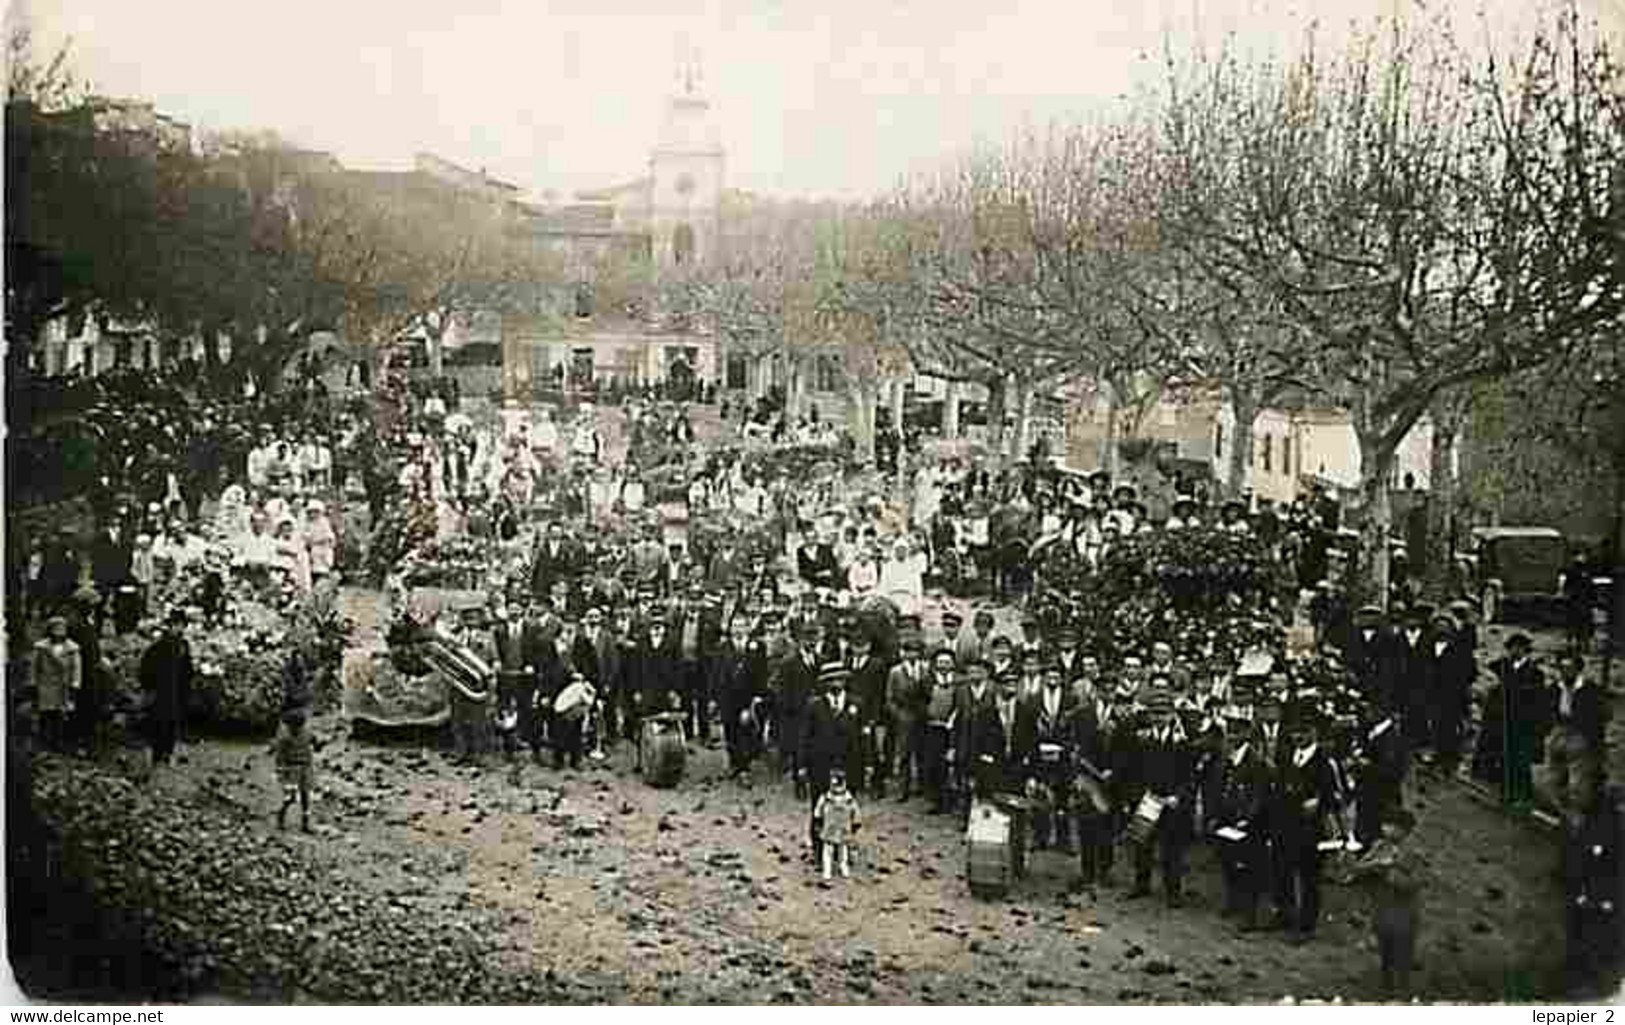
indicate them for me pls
(1429, 219)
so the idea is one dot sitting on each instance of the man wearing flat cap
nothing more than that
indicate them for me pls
(1368, 653)
(830, 739)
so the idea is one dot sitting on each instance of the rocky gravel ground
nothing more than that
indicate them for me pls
(429, 882)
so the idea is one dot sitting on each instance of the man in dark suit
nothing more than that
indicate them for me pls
(1367, 653)
(1305, 791)
(908, 696)
(59, 573)
(938, 736)
(1410, 674)
(1451, 669)
(1384, 756)
(1004, 772)
(653, 679)
(166, 674)
(1044, 725)
(1163, 768)
(518, 643)
(795, 684)
(555, 560)
(741, 675)
(830, 739)
(111, 554)
(1516, 717)
(727, 567)
(592, 647)
(1067, 655)
(818, 566)
(1241, 821)
(867, 685)
(976, 726)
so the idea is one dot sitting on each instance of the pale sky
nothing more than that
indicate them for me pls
(820, 98)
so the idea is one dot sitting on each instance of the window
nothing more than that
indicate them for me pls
(826, 374)
(1218, 440)
(736, 370)
(584, 300)
(682, 245)
(1286, 455)
(1269, 451)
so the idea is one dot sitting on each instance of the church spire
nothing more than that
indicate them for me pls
(690, 70)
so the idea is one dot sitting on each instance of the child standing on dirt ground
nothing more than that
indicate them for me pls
(295, 761)
(837, 813)
(1393, 874)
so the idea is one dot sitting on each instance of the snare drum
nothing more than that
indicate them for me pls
(1143, 824)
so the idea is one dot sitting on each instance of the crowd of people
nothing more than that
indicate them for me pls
(816, 616)
(852, 672)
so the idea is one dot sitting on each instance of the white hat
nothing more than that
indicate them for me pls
(315, 505)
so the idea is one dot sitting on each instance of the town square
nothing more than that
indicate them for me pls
(908, 515)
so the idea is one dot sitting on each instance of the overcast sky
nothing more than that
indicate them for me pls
(819, 98)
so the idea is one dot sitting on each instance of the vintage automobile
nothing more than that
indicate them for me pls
(1519, 566)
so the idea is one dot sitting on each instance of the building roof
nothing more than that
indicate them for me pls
(444, 169)
(639, 185)
(572, 219)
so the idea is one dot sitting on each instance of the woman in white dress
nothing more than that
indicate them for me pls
(231, 519)
(320, 539)
(902, 577)
(292, 556)
(544, 439)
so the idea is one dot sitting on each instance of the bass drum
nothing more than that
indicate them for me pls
(665, 751)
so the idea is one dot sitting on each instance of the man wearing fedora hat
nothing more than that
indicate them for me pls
(1517, 711)
(1451, 669)
(795, 683)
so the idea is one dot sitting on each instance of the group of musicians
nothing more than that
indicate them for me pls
(1152, 753)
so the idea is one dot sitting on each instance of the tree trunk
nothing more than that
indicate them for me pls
(1371, 580)
(1616, 614)
(995, 417)
(865, 396)
(435, 344)
(1245, 407)
(1024, 417)
(950, 412)
(1109, 459)
(1441, 502)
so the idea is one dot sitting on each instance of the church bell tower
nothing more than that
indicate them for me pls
(686, 170)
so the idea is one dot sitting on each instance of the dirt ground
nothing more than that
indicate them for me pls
(598, 888)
